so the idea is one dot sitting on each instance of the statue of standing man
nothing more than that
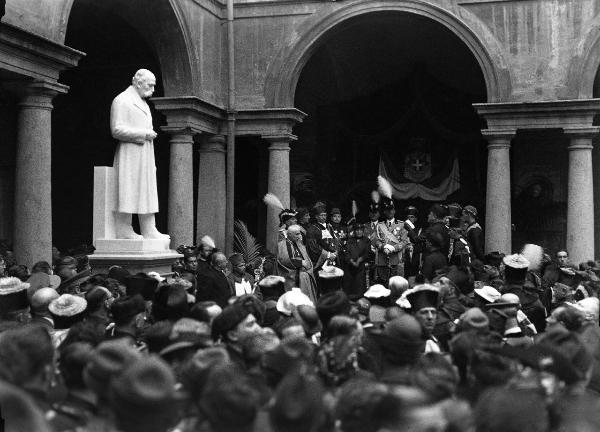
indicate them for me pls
(131, 125)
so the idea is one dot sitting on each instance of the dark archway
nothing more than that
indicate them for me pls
(114, 49)
(379, 85)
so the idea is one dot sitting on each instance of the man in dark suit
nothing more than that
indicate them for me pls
(437, 224)
(413, 254)
(214, 285)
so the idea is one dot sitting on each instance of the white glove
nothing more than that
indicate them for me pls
(388, 249)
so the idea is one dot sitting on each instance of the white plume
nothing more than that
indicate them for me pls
(534, 255)
(375, 197)
(384, 187)
(208, 241)
(271, 200)
(354, 208)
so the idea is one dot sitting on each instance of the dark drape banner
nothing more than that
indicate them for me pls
(436, 187)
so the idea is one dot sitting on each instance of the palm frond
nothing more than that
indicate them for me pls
(245, 243)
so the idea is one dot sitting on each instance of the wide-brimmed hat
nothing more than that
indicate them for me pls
(291, 299)
(13, 295)
(330, 272)
(67, 310)
(377, 291)
(488, 293)
(515, 267)
(272, 286)
(423, 296)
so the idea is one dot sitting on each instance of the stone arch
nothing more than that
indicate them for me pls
(284, 72)
(584, 66)
(168, 36)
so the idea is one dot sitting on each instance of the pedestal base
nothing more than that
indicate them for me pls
(136, 256)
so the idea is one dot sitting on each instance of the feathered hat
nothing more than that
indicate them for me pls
(375, 200)
(354, 213)
(534, 254)
(208, 241)
(385, 189)
(272, 201)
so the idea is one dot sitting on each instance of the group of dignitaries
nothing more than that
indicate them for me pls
(315, 244)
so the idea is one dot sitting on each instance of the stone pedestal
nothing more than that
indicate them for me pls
(33, 193)
(498, 199)
(580, 201)
(278, 183)
(142, 255)
(211, 190)
(181, 187)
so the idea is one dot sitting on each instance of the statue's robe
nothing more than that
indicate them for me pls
(130, 122)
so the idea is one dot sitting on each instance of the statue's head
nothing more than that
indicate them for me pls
(144, 81)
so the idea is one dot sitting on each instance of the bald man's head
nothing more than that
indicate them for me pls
(41, 299)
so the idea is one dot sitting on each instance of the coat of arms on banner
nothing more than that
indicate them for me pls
(417, 166)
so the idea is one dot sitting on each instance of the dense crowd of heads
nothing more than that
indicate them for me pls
(511, 343)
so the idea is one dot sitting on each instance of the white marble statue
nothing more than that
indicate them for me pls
(131, 125)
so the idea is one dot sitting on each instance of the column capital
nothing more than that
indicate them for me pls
(213, 144)
(498, 138)
(280, 138)
(582, 132)
(179, 135)
(580, 138)
(37, 93)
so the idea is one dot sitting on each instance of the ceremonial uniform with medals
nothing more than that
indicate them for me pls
(389, 240)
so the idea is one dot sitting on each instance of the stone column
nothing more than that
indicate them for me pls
(33, 191)
(498, 205)
(212, 190)
(278, 182)
(181, 187)
(580, 201)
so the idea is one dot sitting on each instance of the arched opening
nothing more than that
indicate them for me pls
(118, 39)
(389, 89)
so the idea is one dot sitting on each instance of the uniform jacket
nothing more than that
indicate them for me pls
(130, 121)
(389, 233)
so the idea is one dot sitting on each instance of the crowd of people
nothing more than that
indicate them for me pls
(381, 326)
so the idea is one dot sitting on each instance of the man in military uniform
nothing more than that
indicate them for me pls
(389, 241)
(473, 233)
(370, 230)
